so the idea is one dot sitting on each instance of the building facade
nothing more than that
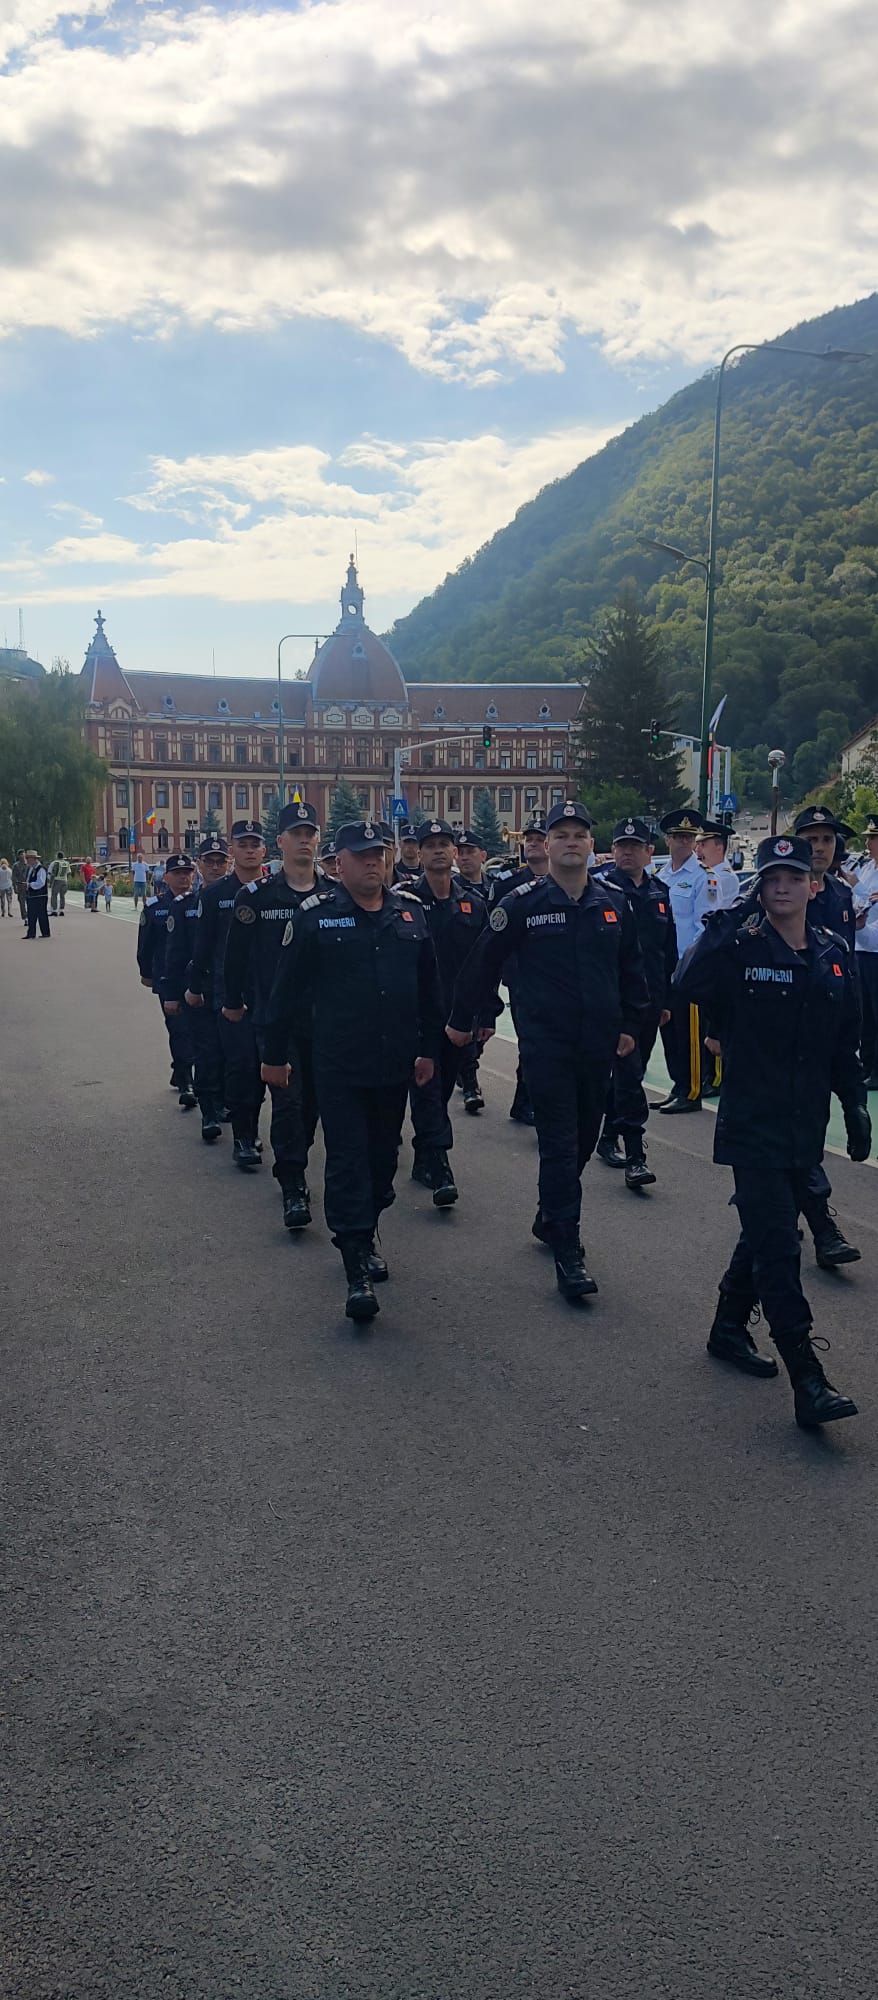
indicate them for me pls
(183, 747)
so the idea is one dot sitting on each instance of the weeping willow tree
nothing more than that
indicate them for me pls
(49, 778)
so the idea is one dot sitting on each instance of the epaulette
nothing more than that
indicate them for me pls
(398, 890)
(524, 888)
(253, 886)
(319, 896)
(502, 874)
(151, 899)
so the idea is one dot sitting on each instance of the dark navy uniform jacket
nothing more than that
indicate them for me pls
(151, 936)
(454, 923)
(214, 917)
(179, 939)
(789, 1025)
(580, 982)
(253, 946)
(650, 906)
(833, 909)
(363, 983)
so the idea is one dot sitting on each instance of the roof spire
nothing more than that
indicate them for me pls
(352, 593)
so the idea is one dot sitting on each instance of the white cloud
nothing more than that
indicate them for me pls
(37, 478)
(277, 525)
(466, 182)
(80, 514)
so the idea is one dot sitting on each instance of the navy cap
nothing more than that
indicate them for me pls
(536, 821)
(469, 839)
(783, 851)
(820, 816)
(572, 809)
(243, 826)
(437, 826)
(871, 827)
(686, 819)
(712, 830)
(296, 815)
(408, 830)
(362, 836)
(387, 834)
(176, 864)
(327, 850)
(632, 829)
(215, 843)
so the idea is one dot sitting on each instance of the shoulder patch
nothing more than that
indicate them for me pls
(288, 932)
(245, 915)
(170, 923)
(499, 918)
(150, 900)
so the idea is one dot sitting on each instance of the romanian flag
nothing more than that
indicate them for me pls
(150, 819)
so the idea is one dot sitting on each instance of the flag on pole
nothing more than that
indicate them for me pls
(150, 819)
(716, 715)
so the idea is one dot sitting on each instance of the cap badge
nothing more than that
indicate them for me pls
(569, 812)
(818, 815)
(434, 826)
(368, 831)
(302, 812)
(629, 826)
(783, 847)
(687, 825)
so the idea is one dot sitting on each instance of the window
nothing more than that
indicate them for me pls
(161, 795)
(120, 749)
(428, 759)
(188, 797)
(428, 799)
(267, 750)
(242, 798)
(294, 756)
(479, 760)
(531, 799)
(121, 795)
(363, 801)
(240, 753)
(505, 760)
(268, 798)
(504, 799)
(188, 750)
(530, 762)
(160, 749)
(388, 759)
(557, 795)
(454, 760)
(124, 837)
(214, 753)
(163, 839)
(557, 760)
(454, 796)
(214, 797)
(189, 839)
(362, 756)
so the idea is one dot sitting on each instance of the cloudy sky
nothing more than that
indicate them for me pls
(274, 277)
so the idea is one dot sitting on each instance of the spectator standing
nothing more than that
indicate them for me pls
(108, 892)
(37, 893)
(58, 874)
(19, 882)
(87, 874)
(5, 888)
(139, 875)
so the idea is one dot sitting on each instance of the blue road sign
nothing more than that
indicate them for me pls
(729, 802)
(399, 808)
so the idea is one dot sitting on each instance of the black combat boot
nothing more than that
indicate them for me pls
(244, 1153)
(609, 1150)
(211, 1123)
(377, 1265)
(574, 1278)
(444, 1190)
(186, 1097)
(637, 1173)
(539, 1230)
(297, 1211)
(816, 1401)
(831, 1248)
(361, 1302)
(730, 1338)
(473, 1101)
(520, 1109)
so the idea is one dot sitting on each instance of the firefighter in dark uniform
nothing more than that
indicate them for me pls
(409, 864)
(253, 947)
(501, 882)
(328, 861)
(243, 1088)
(471, 858)
(358, 972)
(213, 861)
(833, 908)
(581, 999)
(151, 942)
(782, 990)
(456, 916)
(648, 900)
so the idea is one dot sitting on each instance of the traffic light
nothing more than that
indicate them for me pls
(654, 731)
(486, 738)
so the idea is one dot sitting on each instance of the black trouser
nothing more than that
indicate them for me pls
(627, 1104)
(293, 1113)
(245, 1089)
(468, 1066)
(867, 967)
(681, 1040)
(180, 1038)
(568, 1092)
(429, 1104)
(38, 913)
(362, 1127)
(521, 1095)
(766, 1259)
(814, 1202)
(207, 1054)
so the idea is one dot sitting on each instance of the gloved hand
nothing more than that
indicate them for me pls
(858, 1126)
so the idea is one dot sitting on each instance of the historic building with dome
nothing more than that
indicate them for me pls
(180, 746)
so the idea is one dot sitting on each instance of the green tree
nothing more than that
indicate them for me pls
(210, 823)
(485, 823)
(49, 779)
(344, 807)
(269, 823)
(607, 804)
(623, 735)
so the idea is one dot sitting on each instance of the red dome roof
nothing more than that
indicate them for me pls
(355, 665)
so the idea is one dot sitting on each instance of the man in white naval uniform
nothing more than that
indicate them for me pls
(723, 887)
(688, 888)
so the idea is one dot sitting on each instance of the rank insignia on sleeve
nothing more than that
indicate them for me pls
(245, 914)
(288, 933)
(499, 919)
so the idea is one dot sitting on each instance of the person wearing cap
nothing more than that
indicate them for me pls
(581, 999)
(243, 1089)
(456, 916)
(650, 905)
(711, 848)
(783, 990)
(152, 939)
(262, 912)
(36, 895)
(687, 885)
(471, 858)
(408, 866)
(357, 972)
(833, 908)
(865, 894)
(328, 861)
(204, 1049)
(502, 882)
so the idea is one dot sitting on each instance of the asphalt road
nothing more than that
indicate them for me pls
(507, 1650)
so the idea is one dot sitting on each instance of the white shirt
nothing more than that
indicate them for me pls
(866, 885)
(36, 878)
(690, 900)
(723, 886)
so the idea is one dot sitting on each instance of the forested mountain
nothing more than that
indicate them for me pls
(796, 641)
